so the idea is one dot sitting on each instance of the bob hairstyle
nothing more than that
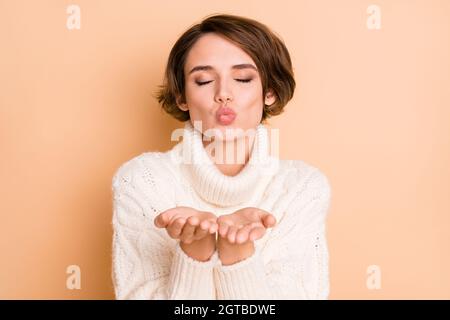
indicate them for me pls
(265, 48)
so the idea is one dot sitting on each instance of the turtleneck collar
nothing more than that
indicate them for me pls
(217, 188)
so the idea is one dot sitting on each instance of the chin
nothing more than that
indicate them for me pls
(231, 132)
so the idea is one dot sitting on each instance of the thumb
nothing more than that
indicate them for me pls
(161, 220)
(268, 220)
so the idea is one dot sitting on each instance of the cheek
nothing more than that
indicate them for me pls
(199, 102)
(250, 96)
(196, 95)
(194, 99)
(250, 102)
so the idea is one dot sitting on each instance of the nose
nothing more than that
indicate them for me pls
(223, 94)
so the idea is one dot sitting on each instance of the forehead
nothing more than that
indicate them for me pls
(215, 50)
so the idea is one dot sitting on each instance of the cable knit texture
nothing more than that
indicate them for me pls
(289, 262)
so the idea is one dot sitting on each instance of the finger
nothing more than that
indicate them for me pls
(161, 220)
(223, 228)
(175, 227)
(200, 233)
(187, 234)
(213, 228)
(256, 233)
(243, 234)
(202, 230)
(212, 225)
(269, 220)
(205, 224)
(166, 217)
(263, 216)
(231, 235)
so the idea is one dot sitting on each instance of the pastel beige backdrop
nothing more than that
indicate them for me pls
(371, 110)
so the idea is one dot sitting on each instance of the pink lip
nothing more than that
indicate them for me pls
(225, 116)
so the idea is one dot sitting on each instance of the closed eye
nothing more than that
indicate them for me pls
(202, 83)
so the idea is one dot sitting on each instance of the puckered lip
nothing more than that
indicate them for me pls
(225, 111)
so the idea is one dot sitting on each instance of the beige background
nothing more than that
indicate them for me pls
(372, 111)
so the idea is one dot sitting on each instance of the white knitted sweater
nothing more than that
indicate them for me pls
(290, 261)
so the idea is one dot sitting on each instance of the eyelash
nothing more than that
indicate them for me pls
(239, 80)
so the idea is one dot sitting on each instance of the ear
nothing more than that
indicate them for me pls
(269, 98)
(181, 104)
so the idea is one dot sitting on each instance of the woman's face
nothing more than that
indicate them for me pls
(218, 74)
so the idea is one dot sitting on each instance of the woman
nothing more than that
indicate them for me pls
(188, 225)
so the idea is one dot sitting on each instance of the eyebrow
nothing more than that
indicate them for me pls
(236, 66)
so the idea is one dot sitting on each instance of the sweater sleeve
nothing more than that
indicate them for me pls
(147, 263)
(295, 260)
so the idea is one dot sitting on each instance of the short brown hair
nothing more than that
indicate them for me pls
(265, 48)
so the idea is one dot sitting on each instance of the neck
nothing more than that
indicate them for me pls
(215, 177)
(230, 156)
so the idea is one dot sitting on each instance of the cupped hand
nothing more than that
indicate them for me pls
(244, 225)
(187, 224)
